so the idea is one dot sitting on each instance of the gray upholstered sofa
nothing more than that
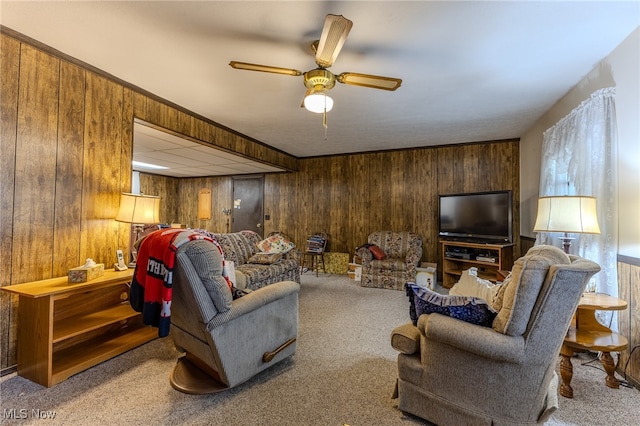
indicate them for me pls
(452, 372)
(254, 271)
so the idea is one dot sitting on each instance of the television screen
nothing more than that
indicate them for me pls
(484, 216)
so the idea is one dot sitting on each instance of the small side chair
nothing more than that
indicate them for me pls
(316, 246)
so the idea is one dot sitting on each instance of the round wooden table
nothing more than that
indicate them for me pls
(586, 333)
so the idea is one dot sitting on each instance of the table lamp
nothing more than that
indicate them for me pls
(567, 214)
(138, 210)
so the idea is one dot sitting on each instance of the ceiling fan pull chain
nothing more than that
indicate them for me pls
(324, 123)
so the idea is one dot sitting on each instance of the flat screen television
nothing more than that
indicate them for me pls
(481, 217)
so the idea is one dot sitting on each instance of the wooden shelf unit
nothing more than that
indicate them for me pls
(452, 267)
(65, 328)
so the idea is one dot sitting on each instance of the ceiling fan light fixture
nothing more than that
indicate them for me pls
(318, 102)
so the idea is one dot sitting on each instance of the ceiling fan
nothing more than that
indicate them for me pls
(319, 80)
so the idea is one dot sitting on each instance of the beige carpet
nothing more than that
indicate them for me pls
(343, 372)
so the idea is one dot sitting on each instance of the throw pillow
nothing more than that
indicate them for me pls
(469, 309)
(377, 252)
(498, 297)
(276, 244)
(265, 258)
(473, 286)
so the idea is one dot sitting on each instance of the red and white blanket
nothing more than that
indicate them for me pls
(151, 287)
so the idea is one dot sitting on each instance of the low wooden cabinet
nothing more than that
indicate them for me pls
(65, 328)
(488, 258)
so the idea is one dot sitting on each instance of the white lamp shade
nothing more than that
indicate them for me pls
(139, 209)
(317, 102)
(571, 214)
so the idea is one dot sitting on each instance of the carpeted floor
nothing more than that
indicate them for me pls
(343, 372)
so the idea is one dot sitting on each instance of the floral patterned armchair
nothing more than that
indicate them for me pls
(395, 264)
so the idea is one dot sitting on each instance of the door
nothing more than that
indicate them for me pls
(247, 204)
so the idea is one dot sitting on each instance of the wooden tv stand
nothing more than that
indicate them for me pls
(459, 256)
(65, 328)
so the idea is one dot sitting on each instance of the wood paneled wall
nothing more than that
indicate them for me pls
(350, 196)
(65, 156)
(629, 319)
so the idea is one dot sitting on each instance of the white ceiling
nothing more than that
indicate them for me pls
(471, 71)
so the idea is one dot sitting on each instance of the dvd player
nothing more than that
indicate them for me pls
(459, 255)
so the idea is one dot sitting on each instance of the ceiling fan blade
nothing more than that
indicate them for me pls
(334, 33)
(263, 68)
(368, 80)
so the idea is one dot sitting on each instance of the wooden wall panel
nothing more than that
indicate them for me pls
(9, 70)
(102, 175)
(280, 193)
(319, 194)
(468, 172)
(359, 206)
(35, 161)
(9, 77)
(305, 188)
(338, 204)
(624, 317)
(69, 171)
(222, 190)
(167, 188)
(425, 205)
(188, 196)
(379, 182)
(629, 321)
(634, 323)
(124, 230)
(445, 171)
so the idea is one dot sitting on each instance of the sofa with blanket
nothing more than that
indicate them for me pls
(259, 262)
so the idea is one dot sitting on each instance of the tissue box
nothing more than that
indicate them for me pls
(355, 271)
(426, 275)
(82, 274)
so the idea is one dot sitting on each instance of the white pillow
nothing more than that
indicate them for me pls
(473, 286)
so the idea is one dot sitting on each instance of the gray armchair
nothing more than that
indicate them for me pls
(226, 342)
(451, 372)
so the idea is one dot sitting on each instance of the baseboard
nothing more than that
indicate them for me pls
(633, 382)
(8, 370)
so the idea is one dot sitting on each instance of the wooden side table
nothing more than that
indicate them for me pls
(65, 328)
(588, 334)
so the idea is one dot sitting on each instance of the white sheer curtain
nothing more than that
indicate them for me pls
(579, 155)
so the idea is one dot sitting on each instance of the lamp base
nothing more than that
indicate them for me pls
(566, 242)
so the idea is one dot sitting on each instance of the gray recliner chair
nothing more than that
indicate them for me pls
(226, 342)
(452, 372)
